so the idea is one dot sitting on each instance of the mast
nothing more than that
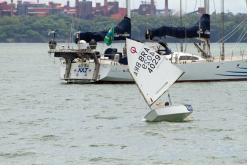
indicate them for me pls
(206, 5)
(222, 56)
(181, 24)
(207, 41)
(128, 8)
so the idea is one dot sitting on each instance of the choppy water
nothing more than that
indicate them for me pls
(45, 122)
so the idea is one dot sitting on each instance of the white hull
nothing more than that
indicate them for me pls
(109, 72)
(199, 71)
(170, 113)
(214, 71)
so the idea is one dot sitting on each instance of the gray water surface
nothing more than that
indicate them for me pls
(46, 122)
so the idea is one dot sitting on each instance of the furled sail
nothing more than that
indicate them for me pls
(152, 72)
(200, 29)
(122, 31)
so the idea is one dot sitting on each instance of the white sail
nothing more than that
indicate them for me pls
(152, 72)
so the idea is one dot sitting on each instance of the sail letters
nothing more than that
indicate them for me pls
(147, 61)
(152, 72)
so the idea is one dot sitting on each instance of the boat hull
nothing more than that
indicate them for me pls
(114, 72)
(118, 73)
(214, 71)
(170, 113)
(78, 73)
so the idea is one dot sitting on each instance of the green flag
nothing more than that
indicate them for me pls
(109, 37)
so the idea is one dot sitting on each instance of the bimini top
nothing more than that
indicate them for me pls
(122, 31)
(200, 29)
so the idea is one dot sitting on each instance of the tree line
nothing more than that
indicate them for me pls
(35, 29)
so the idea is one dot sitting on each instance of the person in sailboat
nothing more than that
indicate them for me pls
(164, 104)
(153, 83)
(167, 104)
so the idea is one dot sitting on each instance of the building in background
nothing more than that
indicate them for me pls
(83, 9)
(32, 9)
(147, 8)
(7, 9)
(68, 10)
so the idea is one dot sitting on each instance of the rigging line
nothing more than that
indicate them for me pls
(235, 45)
(195, 5)
(71, 31)
(238, 29)
(177, 47)
(230, 34)
(233, 33)
(226, 39)
(245, 32)
(243, 37)
(200, 2)
(240, 36)
(185, 6)
(214, 6)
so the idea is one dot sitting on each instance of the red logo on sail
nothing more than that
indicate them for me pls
(133, 50)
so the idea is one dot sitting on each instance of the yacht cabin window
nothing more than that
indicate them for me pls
(188, 58)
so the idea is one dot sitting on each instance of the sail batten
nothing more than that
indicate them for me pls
(152, 72)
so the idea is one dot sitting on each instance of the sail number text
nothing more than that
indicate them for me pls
(147, 60)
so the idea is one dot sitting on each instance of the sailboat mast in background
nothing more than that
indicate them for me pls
(223, 29)
(128, 8)
(206, 5)
(181, 24)
(207, 40)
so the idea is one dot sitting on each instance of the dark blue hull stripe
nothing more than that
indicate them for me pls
(242, 68)
(233, 75)
(235, 72)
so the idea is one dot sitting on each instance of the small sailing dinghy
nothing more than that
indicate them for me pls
(154, 75)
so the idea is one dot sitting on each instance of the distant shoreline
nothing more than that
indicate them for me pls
(31, 29)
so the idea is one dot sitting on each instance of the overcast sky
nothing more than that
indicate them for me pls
(190, 5)
(236, 6)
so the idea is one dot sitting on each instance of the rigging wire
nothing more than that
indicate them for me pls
(72, 30)
(195, 6)
(236, 44)
(214, 6)
(242, 35)
(185, 6)
(237, 30)
(185, 39)
(234, 31)
(241, 26)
